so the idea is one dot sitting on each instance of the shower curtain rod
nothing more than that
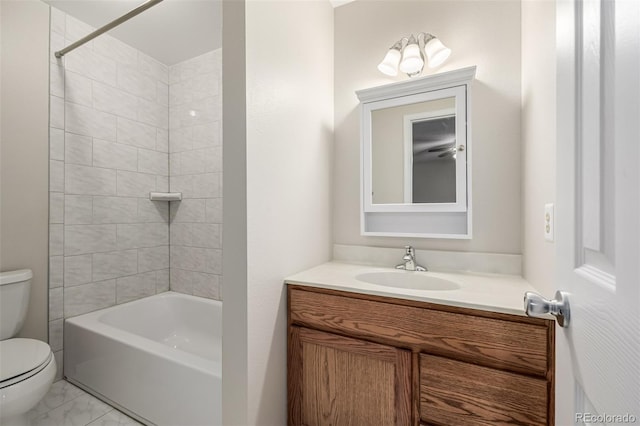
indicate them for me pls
(133, 12)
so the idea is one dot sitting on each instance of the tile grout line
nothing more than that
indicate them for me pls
(98, 418)
(63, 403)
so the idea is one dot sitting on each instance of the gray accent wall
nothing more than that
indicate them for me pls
(23, 151)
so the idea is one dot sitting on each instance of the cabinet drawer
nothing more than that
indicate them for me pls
(498, 343)
(458, 393)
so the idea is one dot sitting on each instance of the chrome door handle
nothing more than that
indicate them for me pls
(537, 306)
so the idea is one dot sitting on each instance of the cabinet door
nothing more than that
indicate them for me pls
(335, 380)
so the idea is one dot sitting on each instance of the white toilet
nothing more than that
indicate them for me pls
(27, 366)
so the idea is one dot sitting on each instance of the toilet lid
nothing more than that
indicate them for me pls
(21, 356)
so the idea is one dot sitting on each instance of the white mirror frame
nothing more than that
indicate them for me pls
(427, 220)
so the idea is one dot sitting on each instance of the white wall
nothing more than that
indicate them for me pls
(481, 33)
(538, 138)
(24, 153)
(289, 86)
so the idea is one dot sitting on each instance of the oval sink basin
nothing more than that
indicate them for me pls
(408, 280)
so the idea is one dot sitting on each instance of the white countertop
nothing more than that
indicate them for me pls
(487, 292)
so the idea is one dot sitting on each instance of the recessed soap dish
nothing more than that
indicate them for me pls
(165, 196)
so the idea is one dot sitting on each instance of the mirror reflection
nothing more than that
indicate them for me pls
(414, 153)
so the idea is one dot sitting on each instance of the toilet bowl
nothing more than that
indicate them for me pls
(27, 366)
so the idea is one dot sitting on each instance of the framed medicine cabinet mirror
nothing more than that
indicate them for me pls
(416, 157)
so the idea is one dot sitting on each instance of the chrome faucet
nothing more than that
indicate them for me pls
(410, 261)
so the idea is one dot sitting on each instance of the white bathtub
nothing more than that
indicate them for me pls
(158, 358)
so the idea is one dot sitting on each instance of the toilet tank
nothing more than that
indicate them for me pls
(14, 300)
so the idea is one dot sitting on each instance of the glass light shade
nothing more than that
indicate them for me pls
(436, 52)
(389, 64)
(412, 61)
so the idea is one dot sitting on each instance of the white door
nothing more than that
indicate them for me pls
(598, 211)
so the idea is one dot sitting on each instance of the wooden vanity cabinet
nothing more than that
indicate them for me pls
(356, 359)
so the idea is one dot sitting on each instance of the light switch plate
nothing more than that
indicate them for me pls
(548, 222)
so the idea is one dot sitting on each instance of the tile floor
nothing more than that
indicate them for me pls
(68, 405)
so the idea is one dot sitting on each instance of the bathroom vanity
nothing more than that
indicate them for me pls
(370, 354)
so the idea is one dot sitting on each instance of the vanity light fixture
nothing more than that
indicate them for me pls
(409, 54)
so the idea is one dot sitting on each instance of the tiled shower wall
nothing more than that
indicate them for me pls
(196, 171)
(109, 147)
